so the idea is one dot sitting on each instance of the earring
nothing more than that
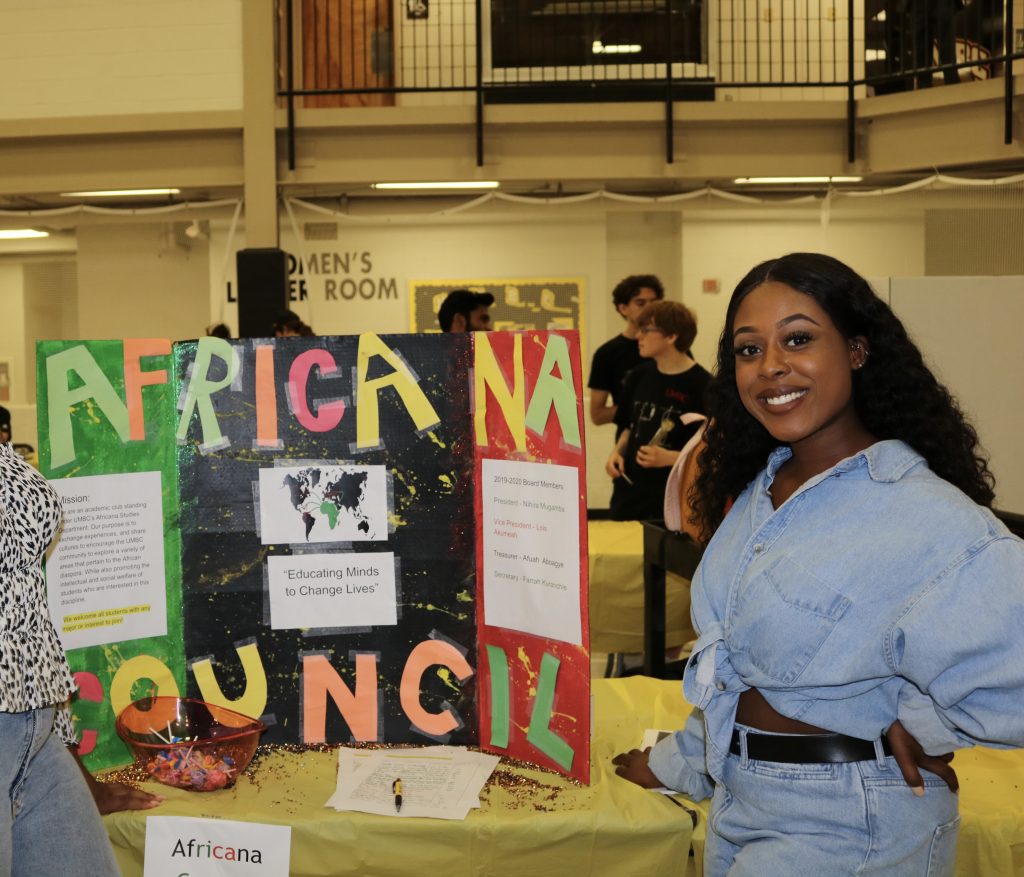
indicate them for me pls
(858, 348)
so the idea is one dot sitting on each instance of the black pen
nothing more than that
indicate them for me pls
(396, 788)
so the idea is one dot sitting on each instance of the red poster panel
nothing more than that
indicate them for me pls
(532, 618)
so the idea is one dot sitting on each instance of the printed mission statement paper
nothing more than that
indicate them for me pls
(105, 577)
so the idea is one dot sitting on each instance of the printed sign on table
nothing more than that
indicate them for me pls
(180, 845)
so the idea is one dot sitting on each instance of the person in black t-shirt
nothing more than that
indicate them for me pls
(654, 395)
(613, 359)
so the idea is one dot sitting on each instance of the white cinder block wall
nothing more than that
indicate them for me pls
(67, 58)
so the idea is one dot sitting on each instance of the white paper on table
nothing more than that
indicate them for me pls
(440, 782)
(439, 778)
(651, 737)
(531, 551)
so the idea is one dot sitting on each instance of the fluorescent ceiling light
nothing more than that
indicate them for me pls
(17, 234)
(599, 48)
(119, 193)
(465, 184)
(783, 181)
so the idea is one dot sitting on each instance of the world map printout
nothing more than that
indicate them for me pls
(323, 503)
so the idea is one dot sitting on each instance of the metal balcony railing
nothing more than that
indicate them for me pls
(383, 52)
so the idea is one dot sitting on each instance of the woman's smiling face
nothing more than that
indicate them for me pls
(794, 368)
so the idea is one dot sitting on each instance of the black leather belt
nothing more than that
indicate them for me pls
(806, 748)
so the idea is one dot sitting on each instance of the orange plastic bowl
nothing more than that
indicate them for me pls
(188, 743)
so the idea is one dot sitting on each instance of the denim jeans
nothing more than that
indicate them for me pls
(49, 825)
(807, 820)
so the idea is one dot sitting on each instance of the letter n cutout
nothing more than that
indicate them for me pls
(359, 710)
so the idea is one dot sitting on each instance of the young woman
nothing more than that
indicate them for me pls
(845, 602)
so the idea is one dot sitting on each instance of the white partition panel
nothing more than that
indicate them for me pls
(970, 331)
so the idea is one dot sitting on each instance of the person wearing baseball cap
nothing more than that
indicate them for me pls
(465, 311)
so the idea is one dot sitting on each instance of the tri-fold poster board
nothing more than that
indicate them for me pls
(356, 538)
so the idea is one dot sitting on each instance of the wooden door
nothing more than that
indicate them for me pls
(347, 44)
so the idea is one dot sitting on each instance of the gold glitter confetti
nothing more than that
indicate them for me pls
(514, 785)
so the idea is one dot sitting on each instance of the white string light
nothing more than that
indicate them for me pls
(706, 192)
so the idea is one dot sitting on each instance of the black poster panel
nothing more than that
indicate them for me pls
(274, 417)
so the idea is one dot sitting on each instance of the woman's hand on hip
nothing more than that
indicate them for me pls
(911, 758)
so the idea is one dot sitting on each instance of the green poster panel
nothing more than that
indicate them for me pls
(108, 408)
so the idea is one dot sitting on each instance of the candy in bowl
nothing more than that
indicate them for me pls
(188, 743)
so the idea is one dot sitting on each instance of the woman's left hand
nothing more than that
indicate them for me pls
(911, 757)
(114, 797)
(633, 766)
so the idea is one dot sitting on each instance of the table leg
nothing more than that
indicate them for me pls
(654, 602)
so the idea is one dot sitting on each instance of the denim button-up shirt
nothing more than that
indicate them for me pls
(876, 592)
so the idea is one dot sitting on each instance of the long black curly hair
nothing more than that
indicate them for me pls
(895, 394)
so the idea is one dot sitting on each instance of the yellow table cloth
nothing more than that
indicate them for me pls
(617, 591)
(551, 828)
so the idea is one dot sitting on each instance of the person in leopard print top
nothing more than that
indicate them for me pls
(33, 670)
(51, 819)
